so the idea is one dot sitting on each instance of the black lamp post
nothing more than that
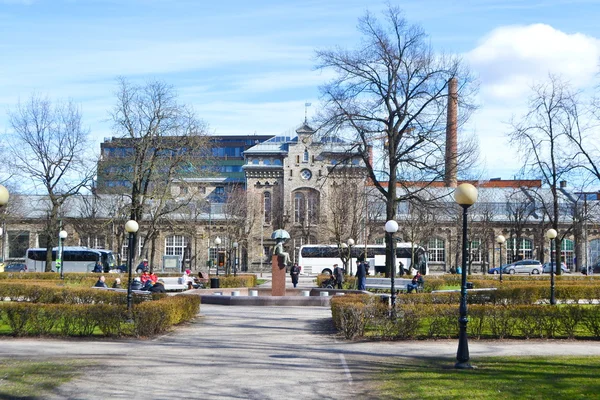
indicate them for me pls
(465, 195)
(391, 227)
(235, 258)
(217, 243)
(551, 234)
(62, 236)
(350, 244)
(4, 195)
(131, 227)
(500, 240)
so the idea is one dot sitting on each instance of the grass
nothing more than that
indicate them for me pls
(494, 378)
(26, 379)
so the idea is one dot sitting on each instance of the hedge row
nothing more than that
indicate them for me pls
(357, 316)
(32, 293)
(230, 281)
(516, 295)
(149, 318)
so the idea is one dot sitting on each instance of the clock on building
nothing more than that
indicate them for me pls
(306, 174)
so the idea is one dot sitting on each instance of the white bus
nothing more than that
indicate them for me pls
(74, 259)
(316, 258)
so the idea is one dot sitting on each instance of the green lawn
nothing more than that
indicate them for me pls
(495, 378)
(26, 379)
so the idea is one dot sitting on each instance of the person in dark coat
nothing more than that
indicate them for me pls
(294, 273)
(101, 282)
(158, 287)
(338, 274)
(136, 284)
(361, 274)
(117, 284)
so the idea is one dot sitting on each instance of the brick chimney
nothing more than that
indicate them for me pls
(451, 135)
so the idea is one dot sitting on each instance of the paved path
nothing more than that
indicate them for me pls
(251, 353)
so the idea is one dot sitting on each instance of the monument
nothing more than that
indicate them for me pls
(279, 262)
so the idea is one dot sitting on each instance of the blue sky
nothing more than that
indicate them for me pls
(247, 66)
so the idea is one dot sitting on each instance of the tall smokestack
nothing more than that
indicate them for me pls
(451, 135)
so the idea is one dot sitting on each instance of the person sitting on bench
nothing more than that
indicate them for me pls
(416, 282)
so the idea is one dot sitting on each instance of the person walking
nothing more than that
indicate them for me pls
(294, 273)
(361, 274)
(338, 273)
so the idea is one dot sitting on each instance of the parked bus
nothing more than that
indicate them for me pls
(316, 258)
(74, 259)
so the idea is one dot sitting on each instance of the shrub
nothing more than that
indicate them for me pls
(230, 281)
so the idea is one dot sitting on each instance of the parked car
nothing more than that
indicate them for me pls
(524, 267)
(592, 269)
(496, 270)
(563, 267)
(17, 267)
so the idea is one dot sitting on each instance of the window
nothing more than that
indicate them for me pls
(267, 161)
(566, 253)
(305, 174)
(297, 159)
(305, 156)
(437, 250)
(220, 190)
(277, 162)
(306, 207)
(594, 252)
(175, 245)
(18, 243)
(299, 210)
(524, 251)
(255, 161)
(267, 207)
(93, 241)
(202, 189)
(476, 251)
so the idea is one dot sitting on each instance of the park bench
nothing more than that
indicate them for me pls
(385, 283)
(122, 290)
(172, 284)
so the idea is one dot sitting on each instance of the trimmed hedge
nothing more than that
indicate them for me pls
(230, 281)
(34, 309)
(362, 315)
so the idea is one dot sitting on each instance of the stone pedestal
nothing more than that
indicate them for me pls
(278, 278)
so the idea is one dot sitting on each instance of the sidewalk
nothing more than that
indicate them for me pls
(252, 353)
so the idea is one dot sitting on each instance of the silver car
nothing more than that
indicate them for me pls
(524, 267)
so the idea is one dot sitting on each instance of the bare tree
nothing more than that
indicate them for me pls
(393, 88)
(543, 139)
(48, 147)
(163, 142)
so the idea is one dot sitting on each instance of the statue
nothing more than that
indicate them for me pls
(279, 251)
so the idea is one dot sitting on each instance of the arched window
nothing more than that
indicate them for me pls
(566, 252)
(305, 157)
(299, 207)
(437, 250)
(594, 251)
(475, 250)
(306, 206)
(525, 250)
(267, 207)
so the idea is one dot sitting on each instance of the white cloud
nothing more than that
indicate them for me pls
(511, 58)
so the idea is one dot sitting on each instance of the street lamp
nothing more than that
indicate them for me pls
(500, 240)
(350, 244)
(551, 234)
(391, 227)
(62, 235)
(344, 254)
(235, 259)
(131, 227)
(217, 243)
(465, 195)
(4, 195)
